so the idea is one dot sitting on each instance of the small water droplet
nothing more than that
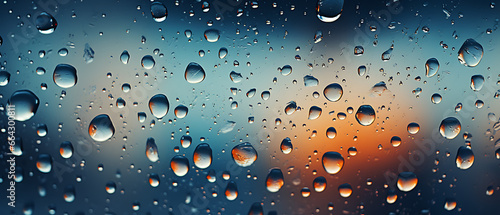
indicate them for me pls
(152, 150)
(212, 35)
(158, 11)
(274, 180)
(65, 76)
(46, 23)
(244, 154)
(407, 181)
(431, 67)
(147, 62)
(329, 10)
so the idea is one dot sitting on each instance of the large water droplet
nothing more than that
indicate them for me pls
(158, 11)
(69, 194)
(470, 53)
(244, 154)
(212, 35)
(148, 62)
(319, 184)
(290, 108)
(476, 82)
(65, 76)
(365, 115)
(235, 77)
(310, 81)
(194, 73)
(231, 191)
(152, 150)
(44, 163)
(286, 146)
(413, 128)
(332, 162)
(465, 157)
(46, 23)
(286, 70)
(436, 98)
(154, 180)
(407, 181)
(179, 165)
(450, 204)
(25, 103)
(345, 190)
(378, 89)
(395, 141)
(202, 156)
(125, 57)
(66, 149)
(222, 52)
(314, 112)
(251, 92)
(387, 54)
(101, 128)
(110, 187)
(333, 92)
(274, 180)
(181, 111)
(329, 10)
(431, 67)
(450, 127)
(186, 141)
(331, 132)
(4, 78)
(159, 105)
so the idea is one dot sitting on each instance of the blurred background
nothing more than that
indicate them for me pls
(361, 89)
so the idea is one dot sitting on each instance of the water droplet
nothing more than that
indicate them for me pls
(359, 50)
(306, 192)
(332, 162)
(44, 163)
(314, 112)
(88, 54)
(46, 23)
(318, 36)
(352, 151)
(181, 111)
(40, 71)
(228, 127)
(365, 115)
(202, 156)
(244, 154)
(69, 194)
(391, 197)
(231, 191)
(17, 149)
(41, 130)
(4, 78)
(274, 180)
(361, 70)
(378, 89)
(286, 146)
(222, 52)
(387, 54)
(407, 181)
(331, 132)
(470, 53)
(186, 141)
(286, 70)
(345, 190)
(235, 77)
(159, 105)
(212, 35)
(450, 204)
(194, 73)
(329, 10)
(310, 81)
(413, 128)
(265, 95)
(465, 157)
(65, 76)
(154, 180)
(152, 150)
(63, 52)
(290, 108)
(476, 82)
(251, 93)
(431, 67)
(66, 149)
(26, 104)
(120, 102)
(110, 187)
(179, 165)
(101, 128)
(148, 62)
(126, 87)
(141, 116)
(319, 184)
(125, 57)
(333, 92)
(395, 141)
(158, 11)
(450, 128)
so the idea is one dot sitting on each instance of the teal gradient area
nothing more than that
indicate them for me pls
(261, 38)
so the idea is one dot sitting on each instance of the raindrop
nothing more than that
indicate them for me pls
(318, 36)
(126, 88)
(274, 180)
(470, 53)
(125, 57)
(222, 52)
(436, 98)
(152, 150)
(450, 128)
(194, 73)
(329, 10)
(310, 81)
(407, 181)
(148, 62)
(352, 151)
(235, 77)
(387, 54)
(319, 184)
(141, 116)
(158, 11)
(66, 149)
(365, 115)
(40, 71)
(154, 180)
(265, 95)
(314, 112)
(361, 70)
(333, 92)
(120, 102)
(228, 127)
(159, 105)
(465, 157)
(179, 165)
(44, 163)
(69, 194)
(181, 111)
(331, 132)
(25, 103)
(413, 128)
(46, 23)
(332, 162)
(395, 141)
(476, 82)
(244, 154)
(88, 54)
(359, 50)
(431, 67)
(378, 89)
(212, 35)
(251, 92)
(65, 76)
(391, 197)
(63, 52)
(286, 70)
(290, 108)
(101, 128)
(186, 141)
(202, 156)
(231, 191)
(345, 190)
(286, 146)
(41, 130)
(110, 187)
(4, 78)
(450, 204)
